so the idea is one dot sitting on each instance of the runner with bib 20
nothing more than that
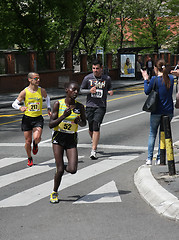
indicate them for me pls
(97, 86)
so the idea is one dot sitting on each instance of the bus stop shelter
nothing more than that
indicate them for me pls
(127, 58)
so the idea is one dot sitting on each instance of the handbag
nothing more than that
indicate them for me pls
(150, 104)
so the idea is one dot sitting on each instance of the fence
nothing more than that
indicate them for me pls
(14, 67)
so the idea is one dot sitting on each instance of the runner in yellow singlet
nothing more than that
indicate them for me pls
(32, 121)
(66, 115)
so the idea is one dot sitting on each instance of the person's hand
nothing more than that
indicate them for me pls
(23, 109)
(67, 112)
(77, 119)
(110, 92)
(93, 90)
(49, 112)
(144, 74)
(175, 72)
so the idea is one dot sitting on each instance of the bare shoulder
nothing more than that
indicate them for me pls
(21, 95)
(44, 93)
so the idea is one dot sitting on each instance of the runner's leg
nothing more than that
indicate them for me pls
(95, 139)
(72, 156)
(28, 141)
(37, 133)
(58, 154)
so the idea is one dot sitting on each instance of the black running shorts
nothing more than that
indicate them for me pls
(95, 114)
(66, 140)
(28, 123)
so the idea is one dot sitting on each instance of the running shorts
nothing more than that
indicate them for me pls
(95, 114)
(66, 140)
(28, 123)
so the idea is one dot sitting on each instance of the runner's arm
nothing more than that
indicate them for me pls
(81, 120)
(54, 119)
(84, 87)
(18, 100)
(110, 90)
(47, 99)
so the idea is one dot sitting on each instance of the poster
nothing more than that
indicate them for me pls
(127, 65)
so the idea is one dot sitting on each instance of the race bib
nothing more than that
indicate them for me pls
(67, 126)
(97, 94)
(34, 107)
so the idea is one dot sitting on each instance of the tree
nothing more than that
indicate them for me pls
(81, 25)
(154, 27)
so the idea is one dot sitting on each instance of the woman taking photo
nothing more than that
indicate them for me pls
(164, 85)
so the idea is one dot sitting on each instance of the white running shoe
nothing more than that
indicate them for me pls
(148, 162)
(93, 155)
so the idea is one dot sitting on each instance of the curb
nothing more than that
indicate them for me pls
(155, 195)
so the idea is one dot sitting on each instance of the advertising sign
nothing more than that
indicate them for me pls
(127, 65)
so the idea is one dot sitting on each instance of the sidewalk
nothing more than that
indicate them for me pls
(154, 184)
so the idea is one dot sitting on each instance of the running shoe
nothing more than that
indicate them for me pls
(30, 162)
(35, 148)
(54, 197)
(93, 155)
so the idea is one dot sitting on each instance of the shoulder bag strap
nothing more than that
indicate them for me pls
(155, 85)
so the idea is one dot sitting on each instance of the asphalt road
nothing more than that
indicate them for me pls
(100, 202)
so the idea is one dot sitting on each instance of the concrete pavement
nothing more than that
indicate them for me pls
(154, 184)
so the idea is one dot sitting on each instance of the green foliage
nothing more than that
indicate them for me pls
(153, 30)
(82, 25)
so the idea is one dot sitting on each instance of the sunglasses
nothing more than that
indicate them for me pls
(36, 78)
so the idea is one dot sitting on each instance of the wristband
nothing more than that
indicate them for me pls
(48, 102)
(15, 104)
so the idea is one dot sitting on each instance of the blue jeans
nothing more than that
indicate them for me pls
(154, 124)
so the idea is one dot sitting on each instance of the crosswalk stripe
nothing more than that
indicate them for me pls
(36, 193)
(4, 162)
(104, 194)
(29, 172)
(11, 144)
(25, 173)
(81, 145)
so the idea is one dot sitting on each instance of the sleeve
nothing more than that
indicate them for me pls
(48, 102)
(84, 86)
(109, 84)
(148, 86)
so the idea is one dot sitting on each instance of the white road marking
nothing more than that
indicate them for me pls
(113, 112)
(28, 172)
(80, 130)
(46, 144)
(34, 194)
(104, 194)
(124, 118)
(104, 146)
(12, 144)
(4, 162)
(106, 123)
